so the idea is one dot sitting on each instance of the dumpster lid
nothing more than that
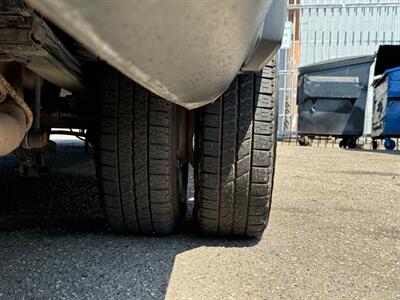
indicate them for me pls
(392, 70)
(381, 77)
(337, 63)
(387, 58)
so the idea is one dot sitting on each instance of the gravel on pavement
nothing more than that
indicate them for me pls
(334, 233)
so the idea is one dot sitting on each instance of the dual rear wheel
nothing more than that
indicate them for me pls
(142, 173)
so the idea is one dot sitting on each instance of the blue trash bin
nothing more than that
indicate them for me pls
(386, 118)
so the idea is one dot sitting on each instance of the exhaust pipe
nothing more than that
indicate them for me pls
(12, 127)
(15, 115)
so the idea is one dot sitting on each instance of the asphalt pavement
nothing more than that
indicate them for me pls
(334, 233)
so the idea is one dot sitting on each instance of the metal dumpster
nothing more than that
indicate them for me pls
(386, 119)
(331, 98)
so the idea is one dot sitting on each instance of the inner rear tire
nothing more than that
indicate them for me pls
(235, 157)
(136, 158)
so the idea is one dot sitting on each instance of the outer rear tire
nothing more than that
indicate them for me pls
(136, 157)
(235, 157)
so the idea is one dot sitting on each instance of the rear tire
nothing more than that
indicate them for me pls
(136, 157)
(235, 156)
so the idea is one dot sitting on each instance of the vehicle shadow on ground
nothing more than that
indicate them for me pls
(54, 241)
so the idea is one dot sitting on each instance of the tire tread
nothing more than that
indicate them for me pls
(235, 155)
(136, 157)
